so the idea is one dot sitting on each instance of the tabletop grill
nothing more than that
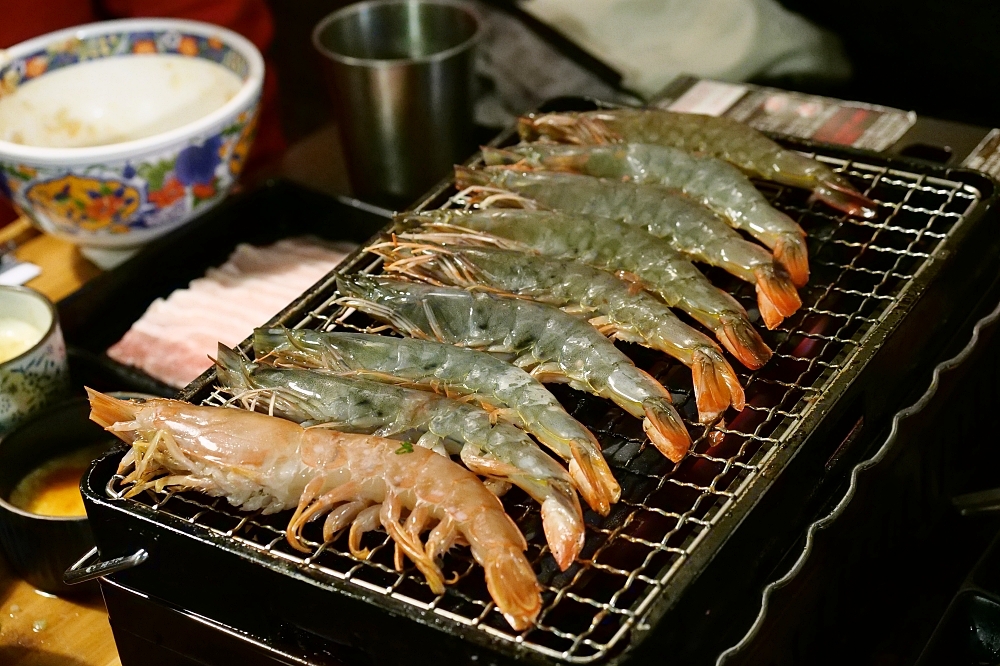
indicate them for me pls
(673, 519)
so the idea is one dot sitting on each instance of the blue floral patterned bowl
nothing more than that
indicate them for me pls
(145, 138)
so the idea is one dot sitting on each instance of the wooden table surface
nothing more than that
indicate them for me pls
(38, 629)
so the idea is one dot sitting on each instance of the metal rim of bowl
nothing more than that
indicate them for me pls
(468, 9)
(251, 88)
(53, 321)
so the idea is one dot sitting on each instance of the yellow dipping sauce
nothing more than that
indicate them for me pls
(53, 488)
(16, 337)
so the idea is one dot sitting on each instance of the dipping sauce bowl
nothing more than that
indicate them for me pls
(41, 464)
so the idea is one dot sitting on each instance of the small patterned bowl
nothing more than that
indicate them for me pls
(121, 195)
(40, 375)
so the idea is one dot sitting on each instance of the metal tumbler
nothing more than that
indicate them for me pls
(400, 72)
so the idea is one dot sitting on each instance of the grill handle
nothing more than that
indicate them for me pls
(81, 572)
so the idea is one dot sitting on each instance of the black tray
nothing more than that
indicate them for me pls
(99, 314)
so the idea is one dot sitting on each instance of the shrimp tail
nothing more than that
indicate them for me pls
(105, 411)
(584, 472)
(665, 429)
(608, 480)
(563, 526)
(716, 386)
(792, 252)
(837, 193)
(514, 587)
(743, 341)
(776, 295)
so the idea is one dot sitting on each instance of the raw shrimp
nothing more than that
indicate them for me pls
(727, 139)
(626, 312)
(508, 393)
(689, 227)
(501, 451)
(553, 345)
(710, 181)
(259, 462)
(606, 244)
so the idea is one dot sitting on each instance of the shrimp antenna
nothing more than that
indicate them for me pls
(444, 234)
(383, 312)
(470, 195)
(486, 196)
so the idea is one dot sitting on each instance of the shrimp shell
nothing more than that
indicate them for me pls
(725, 138)
(629, 313)
(554, 345)
(609, 245)
(349, 404)
(711, 182)
(261, 462)
(509, 393)
(689, 227)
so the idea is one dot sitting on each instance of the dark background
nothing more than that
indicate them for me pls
(935, 57)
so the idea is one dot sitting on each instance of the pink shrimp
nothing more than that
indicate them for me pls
(260, 462)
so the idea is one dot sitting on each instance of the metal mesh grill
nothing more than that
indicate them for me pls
(860, 271)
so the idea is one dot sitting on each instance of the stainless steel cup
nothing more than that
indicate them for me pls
(400, 72)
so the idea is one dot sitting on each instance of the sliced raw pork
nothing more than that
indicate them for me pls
(173, 340)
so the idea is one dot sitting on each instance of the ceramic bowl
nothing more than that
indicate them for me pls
(139, 186)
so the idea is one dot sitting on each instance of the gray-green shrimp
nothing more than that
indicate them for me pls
(688, 226)
(553, 345)
(507, 392)
(617, 308)
(727, 139)
(349, 404)
(610, 245)
(710, 181)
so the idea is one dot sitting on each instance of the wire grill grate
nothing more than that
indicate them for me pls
(860, 271)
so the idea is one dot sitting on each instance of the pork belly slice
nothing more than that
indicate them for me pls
(175, 337)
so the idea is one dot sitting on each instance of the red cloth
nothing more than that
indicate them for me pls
(20, 20)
